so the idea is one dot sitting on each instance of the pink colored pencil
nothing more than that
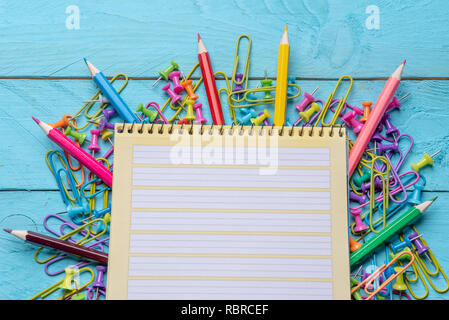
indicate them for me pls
(79, 154)
(374, 118)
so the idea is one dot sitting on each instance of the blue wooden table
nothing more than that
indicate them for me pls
(42, 74)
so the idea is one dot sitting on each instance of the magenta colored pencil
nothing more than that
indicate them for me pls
(65, 246)
(78, 153)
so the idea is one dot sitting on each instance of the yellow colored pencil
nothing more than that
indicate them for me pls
(280, 102)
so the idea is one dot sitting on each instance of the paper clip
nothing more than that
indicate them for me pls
(370, 279)
(66, 284)
(341, 104)
(89, 104)
(245, 74)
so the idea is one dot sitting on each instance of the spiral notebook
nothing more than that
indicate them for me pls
(210, 212)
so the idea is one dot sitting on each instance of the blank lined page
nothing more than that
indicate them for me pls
(224, 228)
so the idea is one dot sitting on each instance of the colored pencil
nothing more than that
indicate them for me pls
(374, 118)
(75, 151)
(58, 244)
(109, 92)
(280, 101)
(209, 84)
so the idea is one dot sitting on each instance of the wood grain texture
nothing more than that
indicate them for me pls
(327, 38)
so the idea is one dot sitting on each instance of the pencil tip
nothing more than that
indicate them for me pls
(36, 120)
(403, 62)
(199, 37)
(7, 230)
(434, 198)
(285, 28)
(85, 61)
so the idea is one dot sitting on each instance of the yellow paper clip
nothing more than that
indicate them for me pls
(244, 81)
(321, 118)
(66, 284)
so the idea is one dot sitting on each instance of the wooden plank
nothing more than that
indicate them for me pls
(328, 38)
(22, 277)
(22, 164)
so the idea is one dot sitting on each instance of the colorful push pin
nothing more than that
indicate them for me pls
(290, 90)
(106, 135)
(420, 247)
(101, 226)
(306, 115)
(246, 117)
(390, 129)
(238, 78)
(399, 284)
(98, 285)
(393, 147)
(64, 122)
(104, 124)
(366, 111)
(425, 161)
(354, 245)
(150, 114)
(266, 83)
(173, 96)
(187, 85)
(199, 115)
(367, 185)
(359, 226)
(109, 113)
(415, 197)
(258, 120)
(356, 294)
(69, 278)
(190, 115)
(407, 256)
(164, 73)
(308, 98)
(351, 121)
(174, 77)
(76, 212)
(97, 214)
(93, 146)
(79, 136)
(396, 248)
(359, 180)
(102, 99)
(356, 197)
(396, 103)
(183, 121)
(265, 122)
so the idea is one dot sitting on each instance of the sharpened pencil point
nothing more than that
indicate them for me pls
(85, 61)
(7, 230)
(434, 198)
(199, 38)
(403, 62)
(36, 120)
(285, 28)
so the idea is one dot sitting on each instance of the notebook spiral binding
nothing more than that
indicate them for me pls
(289, 130)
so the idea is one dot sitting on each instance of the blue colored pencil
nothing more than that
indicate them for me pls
(111, 94)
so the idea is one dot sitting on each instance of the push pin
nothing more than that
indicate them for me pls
(187, 85)
(306, 115)
(367, 185)
(190, 115)
(415, 197)
(393, 147)
(366, 111)
(79, 136)
(164, 73)
(396, 103)
(426, 160)
(356, 197)
(174, 77)
(390, 129)
(399, 284)
(238, 78)
(246, 118)
(308, 98)
(70, 277)
(258, 120)
(98, 285)
(107, 113)
(173, 96)
(354, 245)
(64, 122)
(199, 115)
(75, 212)
(97, 214)
(102, 99)
(266, 83)
(106, 135)
(359, 226)
(150, 114)
(265, 122)
(351, 121)
(420, 247)
(358, 181)
(401, 245)
(93, 146)
(290, 90)
(356, 294)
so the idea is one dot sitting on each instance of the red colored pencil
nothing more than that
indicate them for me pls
(65, 246)
(209, 84)
(79, 154)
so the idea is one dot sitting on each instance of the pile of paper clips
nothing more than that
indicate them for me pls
(379, 189)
